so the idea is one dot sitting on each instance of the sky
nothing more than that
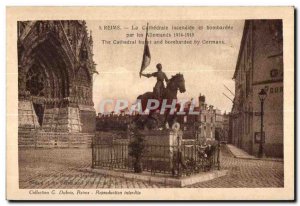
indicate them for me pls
(206, 67)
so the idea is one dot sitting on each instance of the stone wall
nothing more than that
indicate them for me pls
(62, 119)
(41, 139)
(27, 117)
(87, 119)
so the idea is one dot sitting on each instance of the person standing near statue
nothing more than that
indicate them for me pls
(161, 77)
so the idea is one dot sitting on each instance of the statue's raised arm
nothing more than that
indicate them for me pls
(148, 75)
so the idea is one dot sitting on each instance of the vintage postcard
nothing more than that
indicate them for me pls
(150, 103)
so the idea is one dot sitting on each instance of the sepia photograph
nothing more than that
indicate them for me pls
(110, 107)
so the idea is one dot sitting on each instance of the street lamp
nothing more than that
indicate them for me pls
(262, 96)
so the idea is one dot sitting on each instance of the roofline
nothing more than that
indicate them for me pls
(246, 27)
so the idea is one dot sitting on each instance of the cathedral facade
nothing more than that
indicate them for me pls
(55, 77)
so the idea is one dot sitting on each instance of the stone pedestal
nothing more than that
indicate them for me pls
(160, 137)
(161, 146)
(161, 143)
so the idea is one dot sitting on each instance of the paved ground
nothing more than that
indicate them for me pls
(246, 173)
(60, 168)
(239, 153)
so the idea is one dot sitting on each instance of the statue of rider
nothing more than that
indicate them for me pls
(161, 77)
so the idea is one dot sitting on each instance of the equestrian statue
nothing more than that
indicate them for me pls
(161, 93)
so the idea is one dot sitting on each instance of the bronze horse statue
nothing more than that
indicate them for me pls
(169, 94)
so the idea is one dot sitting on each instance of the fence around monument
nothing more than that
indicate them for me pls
(190, 157)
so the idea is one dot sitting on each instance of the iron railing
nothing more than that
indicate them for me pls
(184, 159)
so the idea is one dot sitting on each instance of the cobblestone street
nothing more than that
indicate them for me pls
(61, 168)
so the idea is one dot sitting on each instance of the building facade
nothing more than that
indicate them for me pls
(113, 122)
(222, 129)
(56, 68)
(259, 66)
(203, 125)
(207, 120)
(226, 128)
